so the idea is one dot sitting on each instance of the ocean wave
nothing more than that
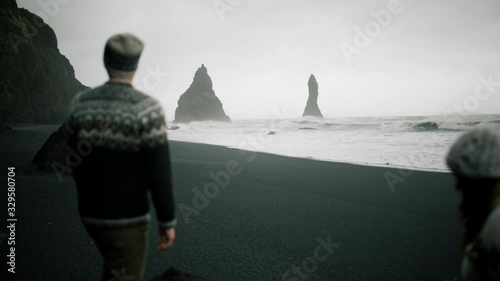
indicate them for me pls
(393, 126)
(329, 125)
(424, 126)
(411, 124)
(460, 126)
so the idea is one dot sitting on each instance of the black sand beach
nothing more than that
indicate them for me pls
(268, 219)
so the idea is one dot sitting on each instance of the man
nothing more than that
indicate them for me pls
(121, 135)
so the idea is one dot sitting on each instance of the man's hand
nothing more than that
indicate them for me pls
(166, 238)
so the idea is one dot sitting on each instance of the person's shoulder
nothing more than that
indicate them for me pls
(81, 93)
(144, 96)
(78, 97)
(490, 235)
(147, 104)
(152, 118)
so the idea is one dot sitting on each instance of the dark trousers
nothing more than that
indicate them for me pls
(124, 250)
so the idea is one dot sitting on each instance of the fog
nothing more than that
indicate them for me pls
(371, 58)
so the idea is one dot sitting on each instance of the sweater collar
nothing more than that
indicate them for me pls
(109, 82)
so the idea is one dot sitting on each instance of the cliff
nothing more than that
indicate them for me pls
(312, 108)
(199, 102)
(36, 81)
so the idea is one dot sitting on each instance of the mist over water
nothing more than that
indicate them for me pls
(414, 142)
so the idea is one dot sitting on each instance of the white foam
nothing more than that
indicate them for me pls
(364, 141)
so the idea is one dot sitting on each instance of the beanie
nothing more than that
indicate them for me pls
(476, 154)
(122, 52)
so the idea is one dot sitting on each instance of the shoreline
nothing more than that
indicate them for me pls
(436, 170)
(263, 221)
(25, 126)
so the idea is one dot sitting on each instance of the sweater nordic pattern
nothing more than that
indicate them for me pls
(121, 135)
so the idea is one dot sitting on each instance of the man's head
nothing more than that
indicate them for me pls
(121, 56)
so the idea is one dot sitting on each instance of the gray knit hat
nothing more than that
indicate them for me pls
(122, 52)
(476, 154)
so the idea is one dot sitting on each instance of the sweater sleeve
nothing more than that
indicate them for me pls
(156, 165)
(69, 125)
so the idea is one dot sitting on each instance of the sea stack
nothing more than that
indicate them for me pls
(312, 108)
(36, 81)
(199, 102)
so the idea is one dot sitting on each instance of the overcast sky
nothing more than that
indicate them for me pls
(427, 58)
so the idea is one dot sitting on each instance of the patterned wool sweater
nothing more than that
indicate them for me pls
(121, 135)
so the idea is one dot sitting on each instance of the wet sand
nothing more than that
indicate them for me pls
(277, 218)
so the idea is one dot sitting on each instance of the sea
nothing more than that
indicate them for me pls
(415, 142)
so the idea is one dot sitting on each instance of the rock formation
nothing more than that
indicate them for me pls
(36, 80)
(312, 108)
(4, 127)
(199, 102)
(53, 150)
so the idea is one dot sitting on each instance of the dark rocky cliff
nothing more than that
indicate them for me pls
(199, 102)
(312, 108)
(36, 81)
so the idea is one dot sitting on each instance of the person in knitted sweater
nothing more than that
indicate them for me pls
(121, 134)
(475, 162)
